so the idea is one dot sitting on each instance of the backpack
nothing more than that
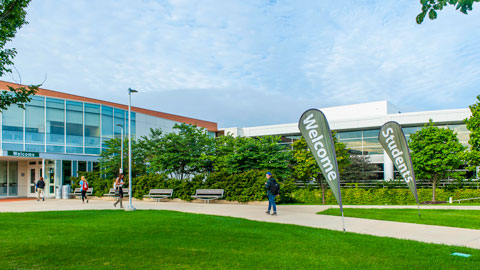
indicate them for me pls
(275, 188)
(85, 185)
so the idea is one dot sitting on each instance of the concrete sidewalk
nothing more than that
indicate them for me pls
(303, 215)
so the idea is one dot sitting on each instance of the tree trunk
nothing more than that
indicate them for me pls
(434, 186)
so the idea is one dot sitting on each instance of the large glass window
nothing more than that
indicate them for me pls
(119, 119)
(3, 178)
(92, 125)
(12, 125)
(35, 121)
(55, 121)
(107, 123)
(67, 171)
(13, 178)
(74, 123)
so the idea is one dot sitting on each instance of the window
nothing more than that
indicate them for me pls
(35, 121)
(13, 178)
(92, 125)
(119, 119)
(12, 125)
(55, 121)
(74, 123)
(107, 123)
(67, 171)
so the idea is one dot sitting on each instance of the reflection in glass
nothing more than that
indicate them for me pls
(371, 133)
(3, 178)
(92, 125)
(74, 123)
(66, 171)
(13, 178)
(55, 121)
(35, 121)
(350, 135)
(12, 124)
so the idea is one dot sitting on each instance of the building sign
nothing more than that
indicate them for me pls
(22, 154)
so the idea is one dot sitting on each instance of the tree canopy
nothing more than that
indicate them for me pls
(12, 18)
(436, 154)
(431, 7)
(473, 125)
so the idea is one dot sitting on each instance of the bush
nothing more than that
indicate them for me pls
(100, 186)
(381, 196)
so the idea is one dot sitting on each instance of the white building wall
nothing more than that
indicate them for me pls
(370, 115)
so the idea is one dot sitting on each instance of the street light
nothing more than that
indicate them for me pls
(130, 206)
(121, 147)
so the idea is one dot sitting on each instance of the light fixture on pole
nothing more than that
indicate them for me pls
(121, 151)
(130, 206)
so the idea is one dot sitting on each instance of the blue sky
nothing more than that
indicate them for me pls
(247, 63)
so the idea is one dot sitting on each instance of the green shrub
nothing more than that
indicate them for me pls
(380, 196)
(100, 186)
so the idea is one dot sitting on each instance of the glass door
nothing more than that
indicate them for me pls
(32, 176)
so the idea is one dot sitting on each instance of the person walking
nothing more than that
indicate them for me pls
(118, 190)
(270, 186)
(40, 189)
(84, 188)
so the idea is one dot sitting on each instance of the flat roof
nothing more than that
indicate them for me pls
(210, 126)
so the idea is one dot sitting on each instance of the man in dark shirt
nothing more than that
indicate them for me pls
(271, 198)
(40, 189)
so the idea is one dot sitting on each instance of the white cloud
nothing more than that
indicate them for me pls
(225, 60)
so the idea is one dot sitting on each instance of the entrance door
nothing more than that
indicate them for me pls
(34, 173)
(32, 177)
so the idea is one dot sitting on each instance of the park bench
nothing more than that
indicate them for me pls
(159, 194)
(208, 194)
(78, 192)
(111, 193)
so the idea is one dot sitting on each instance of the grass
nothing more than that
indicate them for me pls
(452, 218)
(172, 240)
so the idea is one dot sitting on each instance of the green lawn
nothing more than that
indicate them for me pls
(453, 218)
(172, 240)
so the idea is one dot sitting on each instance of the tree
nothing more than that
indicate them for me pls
(306, 168)
(436, 154)
(185, 153)
(472, 156)
(241, 154)
(360, 169)
(110, 159)
(12, 18)
(431, 7)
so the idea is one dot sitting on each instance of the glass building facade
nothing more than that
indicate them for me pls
(62, 126)
(61, 137)
(58, 135)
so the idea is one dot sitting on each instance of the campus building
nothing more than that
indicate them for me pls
(358, 127)
(58, 135)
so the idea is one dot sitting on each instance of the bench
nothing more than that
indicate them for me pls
(208, 194)
(78, 192)
(159, 194)
(111, 193)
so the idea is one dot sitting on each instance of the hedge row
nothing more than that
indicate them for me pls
(380, 196)
(249, 186)
(242, 187)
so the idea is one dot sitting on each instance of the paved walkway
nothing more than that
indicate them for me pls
(303, 215)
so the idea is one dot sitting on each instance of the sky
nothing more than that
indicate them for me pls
(244, 63)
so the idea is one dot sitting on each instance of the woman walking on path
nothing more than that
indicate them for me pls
(84, 188)
(118, 190)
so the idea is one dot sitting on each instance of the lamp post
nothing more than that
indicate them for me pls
(121, 151)
(130, 206)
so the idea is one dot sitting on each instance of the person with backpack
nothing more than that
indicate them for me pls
(84, 188)
(272, 188)
(118, 185)
(40, 186)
